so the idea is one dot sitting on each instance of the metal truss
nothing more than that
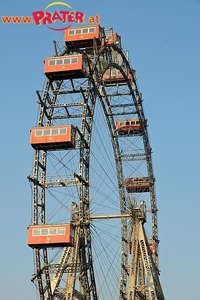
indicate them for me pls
(71, 185)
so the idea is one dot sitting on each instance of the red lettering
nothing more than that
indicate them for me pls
(16, 19)
(64, 15)
(6, 19)
(38, 16)
(79, 17)
(56, 16)
(71, 17)
(97, 18)
(43, 17)
(47, 18)
(91, 19)
(27, 20)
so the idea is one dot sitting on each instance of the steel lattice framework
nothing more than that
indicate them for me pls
(85, 187)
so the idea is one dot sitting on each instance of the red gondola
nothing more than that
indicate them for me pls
(53, 137)
(114, 76)
(83, 37)
(65, 67)
(131, 126)
(43, 236)
(112, 38)
(138, 184)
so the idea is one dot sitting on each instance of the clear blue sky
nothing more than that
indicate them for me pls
(164, 44)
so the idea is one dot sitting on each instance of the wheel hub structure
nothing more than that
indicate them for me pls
(94, 226)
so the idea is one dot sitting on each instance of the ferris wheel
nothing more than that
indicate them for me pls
(94, 225)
